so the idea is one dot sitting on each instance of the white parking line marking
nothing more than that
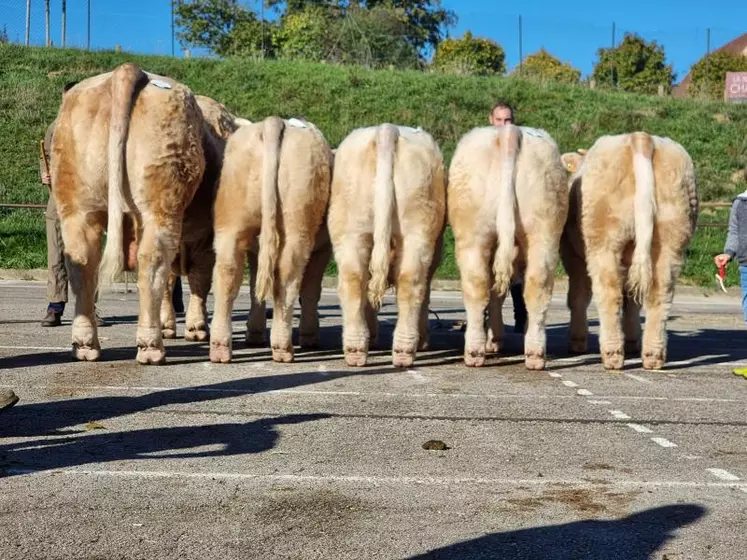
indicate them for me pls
(590, 401)
(723, 475)
(663, 442)
(376, 479)
(619, 415)
(584, 393)
(569, 383)
(641, 429)
(638, 378)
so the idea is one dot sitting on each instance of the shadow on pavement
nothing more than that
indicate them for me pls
(636, 537)
(181, 442)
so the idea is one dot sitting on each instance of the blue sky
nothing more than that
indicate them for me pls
(572, 30)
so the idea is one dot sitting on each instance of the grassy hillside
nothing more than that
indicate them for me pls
(339, 99)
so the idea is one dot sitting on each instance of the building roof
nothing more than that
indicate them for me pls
(736, 47)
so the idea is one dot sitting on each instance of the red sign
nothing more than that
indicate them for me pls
(736, 87)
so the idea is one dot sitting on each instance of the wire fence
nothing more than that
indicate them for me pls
(147, 26)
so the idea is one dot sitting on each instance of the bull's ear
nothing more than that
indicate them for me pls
(570, 161)
(582, 151)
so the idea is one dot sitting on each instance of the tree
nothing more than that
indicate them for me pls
(634, 65)
(425, 22)
(470, 55)
(223, 26)
(708, 75)
(543, 66)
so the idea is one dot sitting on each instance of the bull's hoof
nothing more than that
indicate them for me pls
(256, 338)
(613, 359)
(308, 341)
(578, 345)
(356, 357)
(632, 346)
(402, 358)
(220, 352)
(86, 353)
(196, 333)
(474, 358)
(492, 346)
(151, 355)
(535, 360)
(283, 355)
(168, 332)
(653, 359)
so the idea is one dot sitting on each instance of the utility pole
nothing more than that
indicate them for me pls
(521, 55)
(46, 21)
(262, 18)
(708, 62)
(28, 20)
(64, 22)
(172, 27)
(614, 65)
(88, 24)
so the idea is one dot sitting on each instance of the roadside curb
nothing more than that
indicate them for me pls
(438, 285)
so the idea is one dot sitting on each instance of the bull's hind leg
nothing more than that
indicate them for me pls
(294, 257)
(83, 251)
(412, 285)
(199, 275)
(578, 300)
(607, 286)
(256, 324)
(540, 275)
(227, 275)
(658, 305)
(352, 258)
(168, 315)
(311, 292)
(423, 327)
(473, 268)
(155, 254)
(631, 325)
(495, 323)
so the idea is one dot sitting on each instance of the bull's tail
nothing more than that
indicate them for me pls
(640, 273)
(124, 82)
(386, 146)
(504, 166)
(269, 237)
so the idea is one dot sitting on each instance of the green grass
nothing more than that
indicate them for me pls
(339, 99)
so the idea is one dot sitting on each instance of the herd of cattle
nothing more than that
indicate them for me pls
(181, 186)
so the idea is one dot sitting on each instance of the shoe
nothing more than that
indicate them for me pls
(740, 371)
(52, 319)
(7, 399)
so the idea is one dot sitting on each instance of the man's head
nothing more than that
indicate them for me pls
(501, 114)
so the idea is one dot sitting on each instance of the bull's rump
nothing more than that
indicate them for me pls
(417, 174)
(303, 174)
(541, 190)
(607, 189)
(164, 136)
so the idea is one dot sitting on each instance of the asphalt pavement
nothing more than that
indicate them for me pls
(314, 459)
